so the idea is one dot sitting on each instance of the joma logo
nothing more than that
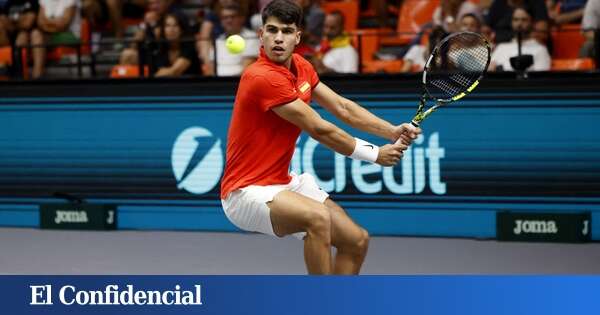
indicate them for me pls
(69, 216)
(535, 227)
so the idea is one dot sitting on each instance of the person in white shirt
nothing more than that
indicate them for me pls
(415, 58)
(336, 54)
(521, 22)
(591, 22)
(229, 64)
(59, 22)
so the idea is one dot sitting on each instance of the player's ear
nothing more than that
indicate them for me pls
(260, 35)
(298, 36)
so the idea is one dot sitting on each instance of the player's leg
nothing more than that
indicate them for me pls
(291, 213)
(351, 241)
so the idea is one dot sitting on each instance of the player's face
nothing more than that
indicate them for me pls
(279, 40)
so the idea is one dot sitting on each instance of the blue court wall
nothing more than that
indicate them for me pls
(156, 150)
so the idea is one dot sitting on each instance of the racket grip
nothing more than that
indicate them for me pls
(414, 123)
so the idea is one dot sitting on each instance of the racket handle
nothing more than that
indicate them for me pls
(414, 123)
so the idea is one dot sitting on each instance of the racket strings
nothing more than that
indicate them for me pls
(456, 65)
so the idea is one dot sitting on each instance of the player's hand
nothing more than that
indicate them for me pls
(390, 154)
(406, 133)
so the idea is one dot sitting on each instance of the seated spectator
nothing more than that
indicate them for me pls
(499, 17)
(450, 12)
(211, 28)
(58, 23)
(541, 33)
(591, 22)
(229, 64)
(565, 11)
(336, 55)
(417, 55)
(149, 32)
(521, 22)
(470, 23)
(176, 57)
(17, 20)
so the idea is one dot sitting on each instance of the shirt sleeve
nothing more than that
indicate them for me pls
(272, 89)
(314, 77)
(591, 15)
(541, 60)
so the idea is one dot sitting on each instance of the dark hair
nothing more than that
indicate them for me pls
(182, 22)
(232, 7)
(437, 34)
(471, 15)
(286, 11)
(525, 8)
(340, 15)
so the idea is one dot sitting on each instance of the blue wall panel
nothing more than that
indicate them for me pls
(160, 159)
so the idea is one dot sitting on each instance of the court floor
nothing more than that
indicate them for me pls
(33, 251)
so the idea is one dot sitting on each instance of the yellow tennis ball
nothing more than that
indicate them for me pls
(235, 44)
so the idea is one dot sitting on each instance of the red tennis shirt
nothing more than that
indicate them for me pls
(260, 144)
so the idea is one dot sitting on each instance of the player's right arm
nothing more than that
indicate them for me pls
(304, 117)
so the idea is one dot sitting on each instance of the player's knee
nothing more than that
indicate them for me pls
(362, 243)
(320, 222)
(37, 37)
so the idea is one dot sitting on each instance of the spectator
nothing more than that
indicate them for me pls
(590, 23)
(176, 57)
(314, 17)
(541, 33)
(470, 23)
(500, 16)
(417, 55)
(17, 20)
(59, 23)
(149, 32)
(450, 12)
(381, 10)
(229, 64)
(521, 22)
(337, 55)
(565, 11)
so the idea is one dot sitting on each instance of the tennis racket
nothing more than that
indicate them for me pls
(452, 71)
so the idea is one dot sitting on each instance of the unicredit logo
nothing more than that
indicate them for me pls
(197, 160)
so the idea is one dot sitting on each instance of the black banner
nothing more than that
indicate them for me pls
(83, 216)
(544, 227)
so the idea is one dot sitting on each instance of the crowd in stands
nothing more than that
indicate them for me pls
(171, 38)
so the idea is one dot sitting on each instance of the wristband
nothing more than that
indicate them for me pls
(365, 151)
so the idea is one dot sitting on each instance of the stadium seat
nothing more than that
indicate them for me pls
(574, 64)
(349, 9)
(413, 15)
(127, 71)
(57, 53)
(567, 40)
(368, 44)
(6, 55)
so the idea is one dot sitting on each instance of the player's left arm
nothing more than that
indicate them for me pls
(358, 117)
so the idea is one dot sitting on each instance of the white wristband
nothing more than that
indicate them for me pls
(365, 151)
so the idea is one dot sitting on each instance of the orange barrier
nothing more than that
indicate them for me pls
(127, 71)
(574, 64)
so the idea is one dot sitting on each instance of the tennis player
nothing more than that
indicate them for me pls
(271, 110)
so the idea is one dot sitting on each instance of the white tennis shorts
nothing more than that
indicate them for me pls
(247, 207)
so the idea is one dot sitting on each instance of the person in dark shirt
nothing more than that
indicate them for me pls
(499, 17)
(17, 19)
(176, 57)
